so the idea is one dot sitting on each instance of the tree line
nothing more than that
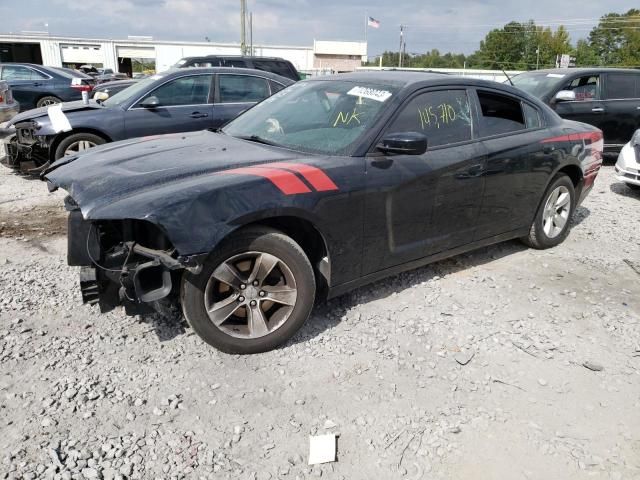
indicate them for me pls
(614, 42)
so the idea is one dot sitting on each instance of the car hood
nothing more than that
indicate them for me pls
(66, 107)
(156, 165)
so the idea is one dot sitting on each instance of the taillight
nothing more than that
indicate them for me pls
(1, 98)
(80, 85)
(597, 144)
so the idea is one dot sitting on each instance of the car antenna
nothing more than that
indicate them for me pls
(508, 77)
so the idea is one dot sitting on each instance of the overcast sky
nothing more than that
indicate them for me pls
(453, 25)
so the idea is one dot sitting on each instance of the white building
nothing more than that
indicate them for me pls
(144, 53)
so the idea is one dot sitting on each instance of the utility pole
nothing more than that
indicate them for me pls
(400, 47)
(243, 33)
(251, 33)
(537, 57)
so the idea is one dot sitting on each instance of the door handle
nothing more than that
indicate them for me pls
(597, 110)
(199, 115)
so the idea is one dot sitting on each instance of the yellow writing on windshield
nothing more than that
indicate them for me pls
(437, 116)
(345, 118)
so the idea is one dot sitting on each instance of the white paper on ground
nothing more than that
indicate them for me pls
(59, 121)
(322, 449)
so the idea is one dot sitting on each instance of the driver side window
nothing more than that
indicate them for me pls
(192, 90)
(586, 88)
(444, 116)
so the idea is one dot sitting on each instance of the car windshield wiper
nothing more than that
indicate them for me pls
(257, 139)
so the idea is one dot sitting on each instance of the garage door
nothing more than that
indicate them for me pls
(81, 53)
(136, 52)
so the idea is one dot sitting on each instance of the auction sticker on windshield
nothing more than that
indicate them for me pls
(372, 93)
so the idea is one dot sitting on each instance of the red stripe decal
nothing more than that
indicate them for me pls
(287, 182)
(593, 136)
(316, 177)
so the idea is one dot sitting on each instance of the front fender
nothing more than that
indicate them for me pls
(198, 213)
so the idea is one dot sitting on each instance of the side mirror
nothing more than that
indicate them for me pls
(405, 143)
(565, 96)
(150, 102)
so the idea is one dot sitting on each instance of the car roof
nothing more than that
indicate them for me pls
(245, 71)
(584, 70)
(403, 78)
(250, 57)
(25, 64)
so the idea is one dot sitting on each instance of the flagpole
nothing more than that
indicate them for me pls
(366, 25)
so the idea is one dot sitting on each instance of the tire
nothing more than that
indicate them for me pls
(243, 251)
(633, 186)
(48, 100)
(547, 229)
(82, 140)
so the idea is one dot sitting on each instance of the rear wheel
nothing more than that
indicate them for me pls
(551, 224)
(47, 101)
(253, 293)
(76, 143)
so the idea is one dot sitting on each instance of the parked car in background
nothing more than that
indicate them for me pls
(181, 100)
(276, 65)
(9, 107)
(36, 86)
(608, 98)
(331, 184)
(105, 90)
(628, 165)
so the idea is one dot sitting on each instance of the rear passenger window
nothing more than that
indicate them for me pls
(242, 88)
(621, 85)
(274, 66)
(499, 114)
(531, 116)
(443, 116)
(235, 63)
(18, 72)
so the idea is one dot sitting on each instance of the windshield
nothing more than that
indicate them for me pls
(133, 91)
(326, 116)
(537, 83)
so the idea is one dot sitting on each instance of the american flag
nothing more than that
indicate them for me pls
(372, 22)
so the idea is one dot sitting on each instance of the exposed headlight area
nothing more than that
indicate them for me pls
(123, 262)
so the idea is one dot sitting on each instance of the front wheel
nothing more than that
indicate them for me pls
(77, 143)
(254, 292)
(551, 224)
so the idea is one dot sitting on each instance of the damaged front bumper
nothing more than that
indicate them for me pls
(118, 270)
(22, 148)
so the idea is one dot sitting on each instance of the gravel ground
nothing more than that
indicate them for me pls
(505, 363)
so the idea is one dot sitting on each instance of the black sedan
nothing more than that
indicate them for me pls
(36, 86)
(607, 98)
(330, 184)
(181, 100)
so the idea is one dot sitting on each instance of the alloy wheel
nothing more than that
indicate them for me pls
(79, 146)
(250, 295)
(556, 211)
(48, 102)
